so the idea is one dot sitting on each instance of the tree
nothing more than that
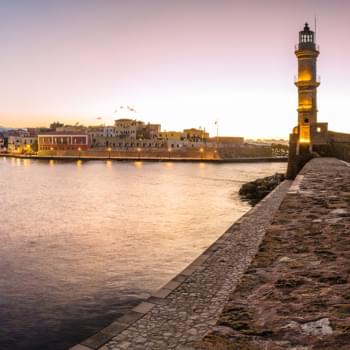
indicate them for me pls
(56, 125)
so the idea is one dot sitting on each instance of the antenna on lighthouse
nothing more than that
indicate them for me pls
(315, 28)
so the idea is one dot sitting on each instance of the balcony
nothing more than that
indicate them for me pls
(307, 82)
(307, 46)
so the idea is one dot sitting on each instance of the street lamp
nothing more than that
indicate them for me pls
(109, 152)
(79, 150)
(139, 151)
(169, 151)
(202, 150)
(51, 149)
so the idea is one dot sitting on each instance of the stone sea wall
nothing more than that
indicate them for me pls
(296, 292)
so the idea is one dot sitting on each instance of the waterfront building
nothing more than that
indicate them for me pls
(172, 135)
(196, 134)
(63, 141)
(2, 141)
(227, 141)
(128, 128)
(22, 141)
(149, 132)
(123, 143)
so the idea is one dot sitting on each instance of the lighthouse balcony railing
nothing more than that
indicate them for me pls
(305, 46)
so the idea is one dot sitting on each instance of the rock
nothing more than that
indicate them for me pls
(285, 259)
(256, 190)
(319, 327)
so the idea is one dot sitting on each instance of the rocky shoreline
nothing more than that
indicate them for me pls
(254, 191)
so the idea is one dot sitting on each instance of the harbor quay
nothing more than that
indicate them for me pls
(277, 279)
(147, 159)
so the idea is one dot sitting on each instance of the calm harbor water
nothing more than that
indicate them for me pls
(83, 242)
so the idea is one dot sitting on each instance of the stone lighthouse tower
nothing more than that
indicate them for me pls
(309, 135)
(307, 83)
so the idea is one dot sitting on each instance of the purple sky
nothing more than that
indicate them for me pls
(181, 63)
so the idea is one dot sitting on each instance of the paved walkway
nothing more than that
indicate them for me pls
(296, 293)
(187, 307)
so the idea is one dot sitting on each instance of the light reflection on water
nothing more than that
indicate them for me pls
(83, 241)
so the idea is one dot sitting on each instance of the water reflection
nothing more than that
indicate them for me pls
(169, 165)
(26, 162)
(80, 244)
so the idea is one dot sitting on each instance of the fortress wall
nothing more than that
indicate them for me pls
(339, 145)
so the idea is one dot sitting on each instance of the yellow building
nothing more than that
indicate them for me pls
(196, 134)
(172, 135)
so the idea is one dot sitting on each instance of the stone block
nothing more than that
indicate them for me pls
(130, 317)
(114, 328)
(97, 340)
(161, 293)
(143, 308)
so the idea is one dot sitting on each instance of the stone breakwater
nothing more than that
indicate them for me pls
(296, 293)
(187, 308)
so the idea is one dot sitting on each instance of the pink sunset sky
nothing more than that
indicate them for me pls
(183, 63)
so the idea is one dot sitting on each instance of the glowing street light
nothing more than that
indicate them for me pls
(109, 152)
(201, 150)
(51, 149)
(79, 150)
(169, 151)
(139, 151)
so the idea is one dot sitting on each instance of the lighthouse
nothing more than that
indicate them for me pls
(307, 84)
(309, 135)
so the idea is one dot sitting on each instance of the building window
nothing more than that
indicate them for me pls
(319, 129)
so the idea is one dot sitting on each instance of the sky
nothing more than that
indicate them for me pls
(180, 63)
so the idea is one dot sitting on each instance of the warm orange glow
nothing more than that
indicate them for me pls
(26, 162)
(304, 136)
(304, 76)
(169, 165)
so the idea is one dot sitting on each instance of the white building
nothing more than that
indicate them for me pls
(21, 141)
(128, 128)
